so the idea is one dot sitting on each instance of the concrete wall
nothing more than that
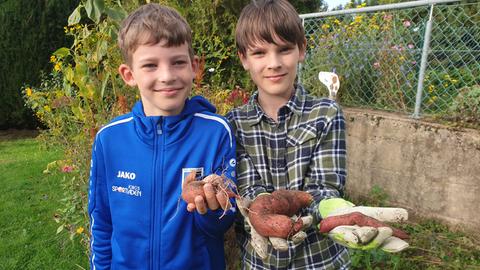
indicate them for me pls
(430, 169)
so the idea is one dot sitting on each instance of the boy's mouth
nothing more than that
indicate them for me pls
(168, 91)
(276, 77)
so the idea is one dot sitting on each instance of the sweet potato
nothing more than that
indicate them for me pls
(193, 188)
(270, 214)
(357, 218)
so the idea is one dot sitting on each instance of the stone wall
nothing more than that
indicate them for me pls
(430, 169)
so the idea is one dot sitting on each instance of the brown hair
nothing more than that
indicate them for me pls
(266, 20)
(150, 24)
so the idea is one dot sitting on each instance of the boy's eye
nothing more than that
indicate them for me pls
(285, 49)
(149, 66)
(180, 62)
(257, 53)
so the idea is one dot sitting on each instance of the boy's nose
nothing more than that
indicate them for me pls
(274, 61)
(165, 75)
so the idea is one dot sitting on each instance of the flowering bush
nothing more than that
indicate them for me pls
(376, 67)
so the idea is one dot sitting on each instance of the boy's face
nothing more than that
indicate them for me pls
(273, 67)
(163, 76)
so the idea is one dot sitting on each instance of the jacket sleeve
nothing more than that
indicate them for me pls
(99, 212)
(327, 174)
(216, 223)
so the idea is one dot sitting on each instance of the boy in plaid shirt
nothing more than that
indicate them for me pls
(287, 139)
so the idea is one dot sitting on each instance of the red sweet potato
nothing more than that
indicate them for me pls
(270, 214)
(357, 218)
(193, 188)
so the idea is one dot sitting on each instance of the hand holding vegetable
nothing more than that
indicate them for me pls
(272, 218)
(362, 227)
(209, 193)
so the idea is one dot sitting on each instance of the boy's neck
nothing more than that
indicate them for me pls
(271, 104)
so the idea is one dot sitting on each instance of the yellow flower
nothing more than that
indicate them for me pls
(28, 91)
(336, 21)
(53, 59)
(430, 88)
(325, 26)
(454, 81)
(358, 19)
(47, 108)
(80, 230)
(57, 67)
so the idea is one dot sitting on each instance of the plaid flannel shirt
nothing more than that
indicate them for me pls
(304, 150)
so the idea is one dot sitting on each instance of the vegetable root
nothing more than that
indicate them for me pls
(193, 188)
(270, 214)
(356, 218)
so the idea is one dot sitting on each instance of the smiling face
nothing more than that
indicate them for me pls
(273, 67)
(163, 76)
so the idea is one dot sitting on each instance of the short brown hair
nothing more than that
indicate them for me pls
(266, 20)
(150, 24)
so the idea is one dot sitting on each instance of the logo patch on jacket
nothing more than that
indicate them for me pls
(126, 175)
(187, 171)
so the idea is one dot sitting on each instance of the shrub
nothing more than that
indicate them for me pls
(466, 106)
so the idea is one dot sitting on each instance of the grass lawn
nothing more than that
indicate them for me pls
(28, 201)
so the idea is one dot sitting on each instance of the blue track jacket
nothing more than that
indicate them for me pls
(138, 219)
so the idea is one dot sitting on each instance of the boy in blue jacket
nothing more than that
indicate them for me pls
(141, 159)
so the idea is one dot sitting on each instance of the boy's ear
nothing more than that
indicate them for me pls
(195, 64)
(243, 60)
(302, 50)
(127, 74)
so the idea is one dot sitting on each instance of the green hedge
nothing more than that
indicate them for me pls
(31, 30)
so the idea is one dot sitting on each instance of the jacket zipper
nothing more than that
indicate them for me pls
(153, 249)
(158, 181)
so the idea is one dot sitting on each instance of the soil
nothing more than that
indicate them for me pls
(14, 134)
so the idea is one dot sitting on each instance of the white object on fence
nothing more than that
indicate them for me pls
(331, 81)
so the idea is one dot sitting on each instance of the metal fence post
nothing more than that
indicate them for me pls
(423, 64)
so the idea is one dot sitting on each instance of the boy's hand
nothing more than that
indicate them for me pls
(260, 243)
(205, 194)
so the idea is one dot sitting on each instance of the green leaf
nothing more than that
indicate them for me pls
(94, 9)
(62, 52)
(102, 48)
(75, 17)
(116, 13)
(104, 84)
(60, 228)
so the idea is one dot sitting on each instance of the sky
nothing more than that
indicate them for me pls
(335, 3)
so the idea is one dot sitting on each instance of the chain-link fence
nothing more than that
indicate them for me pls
(410, 57)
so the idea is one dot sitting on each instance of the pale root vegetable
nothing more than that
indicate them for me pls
(356, 218)
(270, 214)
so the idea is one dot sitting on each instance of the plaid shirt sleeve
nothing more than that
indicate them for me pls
(247, 176)
(327, 174)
